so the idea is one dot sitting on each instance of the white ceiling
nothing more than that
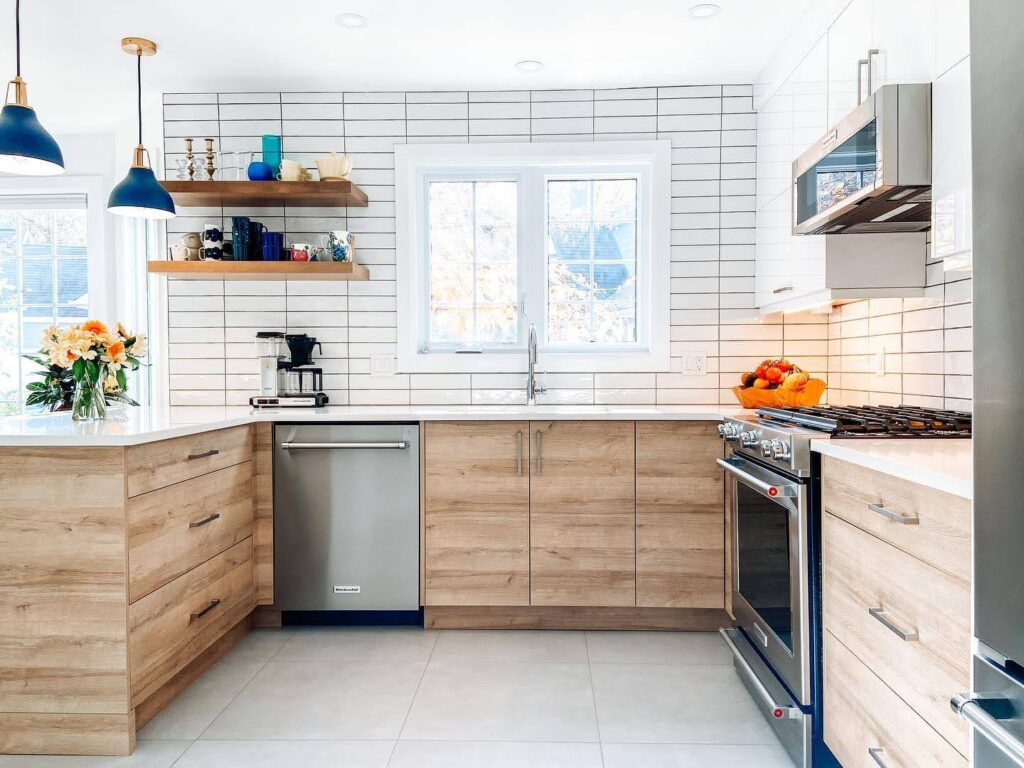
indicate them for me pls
(80, 81)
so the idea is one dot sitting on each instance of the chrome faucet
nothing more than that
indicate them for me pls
(532, 390)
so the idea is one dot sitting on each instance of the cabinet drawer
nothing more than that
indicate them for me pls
(931, 525)
(174, 529)
(171, 626)
(862, 714)
(157, 465)
(909, 621)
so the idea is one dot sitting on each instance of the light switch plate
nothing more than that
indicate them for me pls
(694, 363)
(382, 365)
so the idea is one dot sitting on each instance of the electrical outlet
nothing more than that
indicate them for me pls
(695, 363)
(382, 365)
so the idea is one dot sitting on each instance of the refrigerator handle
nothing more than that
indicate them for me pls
(971, 710)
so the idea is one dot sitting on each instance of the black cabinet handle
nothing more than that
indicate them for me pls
(203, 455)
(204, 521)
(213, 604)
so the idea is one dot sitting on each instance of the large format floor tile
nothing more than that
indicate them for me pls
(192, 711)
(494, 754)
(358, 644)
(148, 754)
(700, 648)
(662, 703)
(693, 756)
(321, 700)
(503, 701)
(287, 754)
(511, 645)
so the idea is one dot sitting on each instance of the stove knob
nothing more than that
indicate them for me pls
(730, 432)
(780, 449)
(748, 439)
(766, 448)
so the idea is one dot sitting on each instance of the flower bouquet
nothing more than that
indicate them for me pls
(90, 361)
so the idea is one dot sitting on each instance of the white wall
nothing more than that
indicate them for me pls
(211, 325)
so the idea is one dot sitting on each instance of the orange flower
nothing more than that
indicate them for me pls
(94, 326)
(115, 350)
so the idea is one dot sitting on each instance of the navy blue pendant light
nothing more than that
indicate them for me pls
(140, 195)
(26, 148)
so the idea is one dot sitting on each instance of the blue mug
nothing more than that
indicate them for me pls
(240, 237)
(273, 242)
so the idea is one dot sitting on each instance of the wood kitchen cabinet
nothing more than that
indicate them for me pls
(896, 610)
(477, 513)
(680, 520)
(582, 503)
(128, 571)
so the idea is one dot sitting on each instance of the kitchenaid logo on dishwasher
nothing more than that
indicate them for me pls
(342, 589)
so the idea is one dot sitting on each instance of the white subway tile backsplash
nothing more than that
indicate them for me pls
(212, 325)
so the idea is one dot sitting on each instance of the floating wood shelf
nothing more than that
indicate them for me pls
(259, 270)
(317, 194)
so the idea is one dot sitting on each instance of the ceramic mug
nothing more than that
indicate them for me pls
(338, 243)
(213, 242)
(292, 171)
(304, 252)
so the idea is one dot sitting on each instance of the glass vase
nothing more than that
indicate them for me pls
(90, 403)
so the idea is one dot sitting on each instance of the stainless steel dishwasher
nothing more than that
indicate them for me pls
(346, 517)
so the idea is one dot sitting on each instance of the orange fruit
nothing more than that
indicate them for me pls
(760, 383)
(774, 375)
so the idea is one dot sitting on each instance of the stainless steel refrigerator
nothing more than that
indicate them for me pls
(995, 706)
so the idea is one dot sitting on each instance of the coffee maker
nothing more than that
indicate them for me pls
(292, 381)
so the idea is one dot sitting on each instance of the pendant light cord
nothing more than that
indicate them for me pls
(17, 37)
(139, 83)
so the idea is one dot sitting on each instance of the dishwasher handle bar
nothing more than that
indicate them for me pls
(399, 445)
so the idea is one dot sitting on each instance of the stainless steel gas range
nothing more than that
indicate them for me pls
(773, 482)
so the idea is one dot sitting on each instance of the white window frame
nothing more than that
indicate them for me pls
(101, 281)
(531, 165)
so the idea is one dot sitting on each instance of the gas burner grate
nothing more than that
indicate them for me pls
(873, 420)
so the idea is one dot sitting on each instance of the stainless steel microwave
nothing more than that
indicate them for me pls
(872, 172)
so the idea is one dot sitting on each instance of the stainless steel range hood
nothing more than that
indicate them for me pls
(872, 172)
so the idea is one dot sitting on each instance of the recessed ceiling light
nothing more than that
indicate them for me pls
(529, 65)
(704, 10)
(350, 20)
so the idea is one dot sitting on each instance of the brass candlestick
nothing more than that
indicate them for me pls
(210, 168)
(190, 164)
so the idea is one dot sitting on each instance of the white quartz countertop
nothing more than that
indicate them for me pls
(944, 464)
(133, 426)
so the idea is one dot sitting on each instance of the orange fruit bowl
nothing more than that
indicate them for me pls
(751, 397)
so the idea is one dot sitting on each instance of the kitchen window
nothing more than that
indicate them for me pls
(43, 281)
(571, 239)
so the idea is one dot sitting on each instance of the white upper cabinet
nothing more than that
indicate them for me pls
(904, 34)
(809, 85)
(951, 166)
(774, 144)
(849, 39)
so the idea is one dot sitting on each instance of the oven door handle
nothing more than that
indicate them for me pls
(774, 490)
(778, 711)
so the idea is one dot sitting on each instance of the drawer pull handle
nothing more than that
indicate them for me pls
(204, 521)
(213, 604)
(875, 753)
(203, 455)
(897, 516)
(910, 635)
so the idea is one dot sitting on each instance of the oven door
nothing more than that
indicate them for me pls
(770, 571)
